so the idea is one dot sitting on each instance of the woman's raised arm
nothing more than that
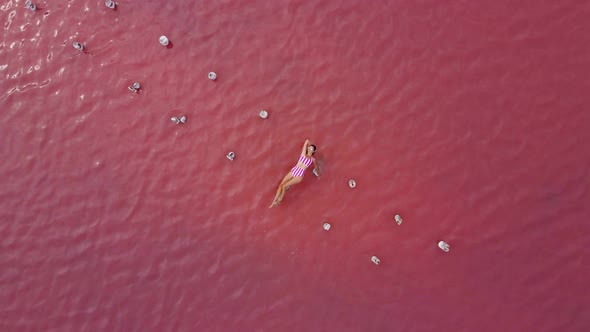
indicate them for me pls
(304, 150)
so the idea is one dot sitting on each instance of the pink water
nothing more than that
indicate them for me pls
(469, 119)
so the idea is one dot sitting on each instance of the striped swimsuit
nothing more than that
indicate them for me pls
(298, 171)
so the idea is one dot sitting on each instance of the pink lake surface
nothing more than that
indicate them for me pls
(468, 118)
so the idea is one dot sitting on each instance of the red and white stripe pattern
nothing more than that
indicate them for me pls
(298, 171)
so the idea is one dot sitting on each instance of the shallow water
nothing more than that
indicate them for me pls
(468, 119)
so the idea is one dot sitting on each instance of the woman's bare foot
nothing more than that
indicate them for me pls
(275, 203)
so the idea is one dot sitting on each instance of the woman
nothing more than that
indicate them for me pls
(296, 174)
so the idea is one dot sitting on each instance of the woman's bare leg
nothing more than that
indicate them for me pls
(293, 181)
(287, 177)
(280, 190)
(274, 201)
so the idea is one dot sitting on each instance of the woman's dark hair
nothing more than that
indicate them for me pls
(314, 149)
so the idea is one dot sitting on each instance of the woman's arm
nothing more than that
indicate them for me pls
(316, 168)
(304, 150)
